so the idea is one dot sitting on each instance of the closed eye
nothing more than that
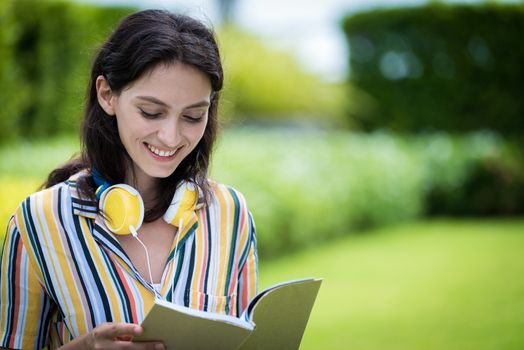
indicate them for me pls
(192, 119)
(149, 115)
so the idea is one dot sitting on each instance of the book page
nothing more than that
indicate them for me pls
(280, 315)
(183, 328)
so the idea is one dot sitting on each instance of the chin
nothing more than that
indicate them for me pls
(161, 174)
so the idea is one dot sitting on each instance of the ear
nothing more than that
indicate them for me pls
(105, 95)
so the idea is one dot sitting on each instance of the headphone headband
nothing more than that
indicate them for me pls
(101, 184)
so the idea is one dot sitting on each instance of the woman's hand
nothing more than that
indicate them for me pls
(113, 336)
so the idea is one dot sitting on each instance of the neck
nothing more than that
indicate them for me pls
(146, 185)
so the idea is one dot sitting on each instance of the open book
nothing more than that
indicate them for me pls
(275, 319)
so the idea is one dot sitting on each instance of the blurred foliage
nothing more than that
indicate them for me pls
(13, 191)
(25, 165)
(304, 187)
(46, 49)
(494, 186)
(35, 159)
(266, 84)
(55, 44)
(11, 98)
(440, 67)
(49, 50)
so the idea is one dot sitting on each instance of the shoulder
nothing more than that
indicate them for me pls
(228, 205)
(50, 204)
(225, 196)
(45, 197)
(42, 204)
(227, 211)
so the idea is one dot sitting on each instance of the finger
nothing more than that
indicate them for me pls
(150, 345)
(125, 337)
(114, 330)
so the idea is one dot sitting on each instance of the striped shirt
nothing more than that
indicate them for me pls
(62, 272)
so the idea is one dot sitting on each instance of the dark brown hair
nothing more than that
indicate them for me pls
(141, 42)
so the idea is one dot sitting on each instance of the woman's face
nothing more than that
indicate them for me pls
(161, 117)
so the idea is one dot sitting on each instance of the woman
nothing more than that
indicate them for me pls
(69, 278)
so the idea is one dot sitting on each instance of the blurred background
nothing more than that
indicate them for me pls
(378, 143)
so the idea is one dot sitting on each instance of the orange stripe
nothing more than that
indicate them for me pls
(128, 291)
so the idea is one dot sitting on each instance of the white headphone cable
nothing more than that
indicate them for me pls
(135, 234)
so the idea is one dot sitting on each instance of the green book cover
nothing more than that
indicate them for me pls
(275, 319)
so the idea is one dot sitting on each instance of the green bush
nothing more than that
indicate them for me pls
(494, 186)
(306, 187)
(440, 67)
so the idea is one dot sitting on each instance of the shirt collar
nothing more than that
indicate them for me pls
(81, 206)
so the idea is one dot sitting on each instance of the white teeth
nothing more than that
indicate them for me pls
(159, 152)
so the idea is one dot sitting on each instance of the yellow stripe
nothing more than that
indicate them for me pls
(116, 304)
(48, 244)
(225, 237)
(3, 276)
(71, 289)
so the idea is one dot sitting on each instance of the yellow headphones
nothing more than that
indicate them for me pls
(123, 206)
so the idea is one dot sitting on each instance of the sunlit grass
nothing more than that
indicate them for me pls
(429, 285)
(34, 160)
(25, 166)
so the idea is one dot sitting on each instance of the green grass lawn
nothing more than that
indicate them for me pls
(429, 285)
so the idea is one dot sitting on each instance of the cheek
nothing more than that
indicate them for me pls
(128, 132)
(197, 133)
(131, 128)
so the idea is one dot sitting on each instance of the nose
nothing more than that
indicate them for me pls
(169, 132)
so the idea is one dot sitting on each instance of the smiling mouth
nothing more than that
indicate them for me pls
(161, 153)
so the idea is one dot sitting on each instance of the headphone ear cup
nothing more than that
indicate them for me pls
(183, 205)
(123, 207)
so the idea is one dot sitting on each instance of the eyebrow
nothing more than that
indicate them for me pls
(163, 104)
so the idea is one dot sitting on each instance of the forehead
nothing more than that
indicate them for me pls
(172, 83)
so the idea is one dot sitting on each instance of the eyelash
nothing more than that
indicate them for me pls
(156, 115)
(192, 119)
(149, 115)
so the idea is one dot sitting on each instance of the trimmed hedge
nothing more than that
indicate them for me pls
(50, 50)
(440, 67)
(11, 98)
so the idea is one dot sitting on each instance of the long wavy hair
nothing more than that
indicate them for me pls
(141, 42)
